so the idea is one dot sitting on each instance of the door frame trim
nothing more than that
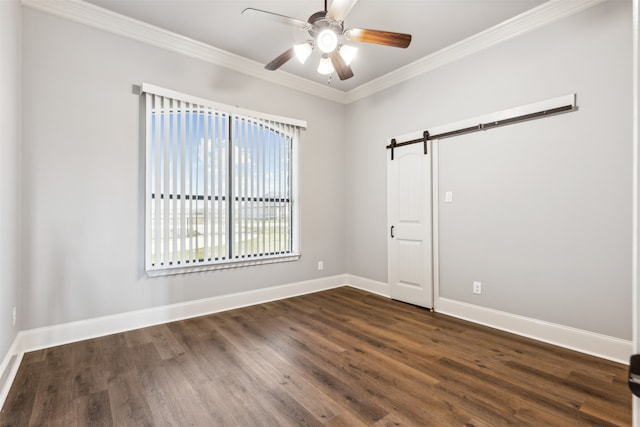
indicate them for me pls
(435, 238)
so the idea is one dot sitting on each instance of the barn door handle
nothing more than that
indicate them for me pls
(392, 236)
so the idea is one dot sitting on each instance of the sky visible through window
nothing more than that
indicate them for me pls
(255, 150)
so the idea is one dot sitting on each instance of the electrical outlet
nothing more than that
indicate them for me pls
(477, 288)
(320, 265)
(14, 316)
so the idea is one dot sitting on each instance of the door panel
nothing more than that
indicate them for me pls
(410, 254)
(409, 197)
(409, 213)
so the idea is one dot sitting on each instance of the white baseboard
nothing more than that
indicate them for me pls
(50, 336)
(9, 368)
(603, 346)
(373, 286)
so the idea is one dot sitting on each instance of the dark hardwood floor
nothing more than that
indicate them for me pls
(338, 358)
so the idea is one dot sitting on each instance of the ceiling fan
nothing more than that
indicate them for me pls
(328, 33)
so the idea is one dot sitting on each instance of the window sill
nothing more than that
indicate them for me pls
(219, 265)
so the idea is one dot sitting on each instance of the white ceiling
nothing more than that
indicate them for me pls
(434, 25)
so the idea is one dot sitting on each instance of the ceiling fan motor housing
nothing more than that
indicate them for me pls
(320, 22)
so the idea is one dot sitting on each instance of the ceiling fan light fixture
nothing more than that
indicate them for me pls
(348, 53)
(325, 67)
(327, 40)
(327, 31)
(303, 51)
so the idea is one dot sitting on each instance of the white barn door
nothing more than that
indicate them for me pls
(410, 230)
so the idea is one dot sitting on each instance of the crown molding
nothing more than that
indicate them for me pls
(97, 17)
(537, 17)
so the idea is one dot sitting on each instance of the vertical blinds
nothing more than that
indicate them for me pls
(220, 184)
(262, 187)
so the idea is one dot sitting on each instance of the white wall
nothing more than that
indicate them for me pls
(542, 210)
(10, 12)
(82, 182)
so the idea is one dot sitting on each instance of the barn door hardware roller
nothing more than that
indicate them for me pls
(394, 144)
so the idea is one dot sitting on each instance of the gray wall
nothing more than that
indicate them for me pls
(82, 183)
(541, 214)
(10, 12)
(542, 210)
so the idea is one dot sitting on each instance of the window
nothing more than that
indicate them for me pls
(221, 185)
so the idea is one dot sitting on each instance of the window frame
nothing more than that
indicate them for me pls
(232, 113)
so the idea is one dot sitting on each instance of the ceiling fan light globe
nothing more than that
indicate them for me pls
(325, 67)
(327, 40)
(348, 53)
(303, 51)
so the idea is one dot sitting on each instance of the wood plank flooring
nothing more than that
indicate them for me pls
(342, 357)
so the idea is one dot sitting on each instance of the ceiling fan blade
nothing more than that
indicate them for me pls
(385, 38)
(280, 60)
(339, 9)
(342, 69)
(275, 17)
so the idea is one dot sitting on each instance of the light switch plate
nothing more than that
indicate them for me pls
(448, 197)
